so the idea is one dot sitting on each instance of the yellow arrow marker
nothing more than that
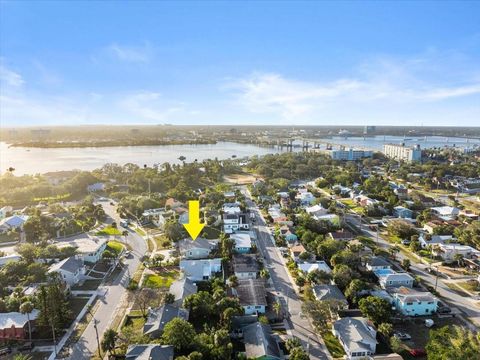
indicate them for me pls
(194, 227)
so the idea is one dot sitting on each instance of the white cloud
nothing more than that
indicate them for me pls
(150, 105)
(10, 77)
(139, 54)
(381, 81)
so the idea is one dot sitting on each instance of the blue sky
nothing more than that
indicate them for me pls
(280, 63)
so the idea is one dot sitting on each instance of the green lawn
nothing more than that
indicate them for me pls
(333, 345)
(162, 242)
(76, 304)
(140, 231)
(109, 231)
(156, 281)
(115, 246)
(211, 233)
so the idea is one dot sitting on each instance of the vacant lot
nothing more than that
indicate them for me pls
(109, 230)
(160, 280)
(420, 333)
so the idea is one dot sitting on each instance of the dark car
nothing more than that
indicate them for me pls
(5, 350)
(417, 352)
(26, 346)
(444, 310)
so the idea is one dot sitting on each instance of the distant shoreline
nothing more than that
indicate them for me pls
(116, 143)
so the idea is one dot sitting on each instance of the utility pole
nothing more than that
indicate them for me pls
(436, 279)
(98, 339)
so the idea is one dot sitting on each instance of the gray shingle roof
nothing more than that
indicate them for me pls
(182, 288)
(71, 264)
(259, 341)
(245, 263)
(188, 244)
(355, 333)
(252, 292)
(378, 261)
(328, 292)
(149, 351)
(158, 318)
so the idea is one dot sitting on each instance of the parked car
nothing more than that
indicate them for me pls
(5, 350)
(405, 242)
(28, 346)
(417, 352)
(429, 323)
(127, 254)
(402, 336)
(444, 310)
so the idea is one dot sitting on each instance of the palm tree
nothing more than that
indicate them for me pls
(27, 308)
(277, 308)
(125, 234)
(109, 339)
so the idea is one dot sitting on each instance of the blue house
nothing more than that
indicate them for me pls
(402, 212)
(243, 242)
(414, 303)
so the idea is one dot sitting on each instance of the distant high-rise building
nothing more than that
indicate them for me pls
(401, 152)
(369, 129)
(350, 154)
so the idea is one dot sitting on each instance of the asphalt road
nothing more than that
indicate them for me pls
(114, 293)
(299, 325)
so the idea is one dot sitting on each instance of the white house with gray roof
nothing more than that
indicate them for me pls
(357, 336)
(71, 270)
(200, 248)
(326, 292)
(201, 270)
(378, 263)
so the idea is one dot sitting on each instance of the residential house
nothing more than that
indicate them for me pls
(316, 210)
(71, 270)
(343, 235)
(389, 279)
(402, 212)
(363, 200)
(378, 263)
(331, 218)
(14, 222)
(448, 252)
(4, 211)
(234, 221)
(58, 177)
(308, 267)
(243, 242)
(305, 197)
(435, 240)
(260, 343)
(446, 212)
(330, 292)
(201, 270)
(173, 204)
(99, 186)
(158, 318)
(200, 248)
(287, 233)
(414, 303)
(245, 266)
(229, 195)
(402, 193)
(149, 351)
(432, 225)
(252, 295)
(158, 217)
(89, 249)
(296, 251)
(357, 336)
(182, 288)
(14, 325)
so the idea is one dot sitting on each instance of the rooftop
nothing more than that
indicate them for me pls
(245, 263)
(16, 319)
(252, 292)
(259, 342)
(356, 333)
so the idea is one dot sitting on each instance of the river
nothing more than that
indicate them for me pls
(39, 161)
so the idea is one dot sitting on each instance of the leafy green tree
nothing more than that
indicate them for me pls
(109, 340)
(352, 290)
(376, 309)
(453, 342)
(180, 334)
(385, 329)
(298, 353)
(342, 275)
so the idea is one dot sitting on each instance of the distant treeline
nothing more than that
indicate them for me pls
(125, 142)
